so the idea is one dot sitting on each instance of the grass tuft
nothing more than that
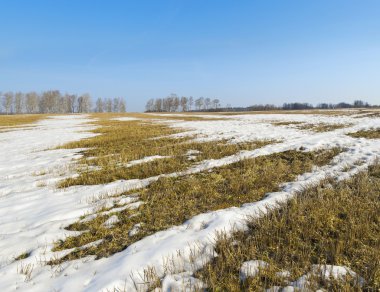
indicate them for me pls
(22, 256)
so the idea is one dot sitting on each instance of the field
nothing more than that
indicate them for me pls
(173, 202)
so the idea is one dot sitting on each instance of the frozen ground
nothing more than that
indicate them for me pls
(33, 212)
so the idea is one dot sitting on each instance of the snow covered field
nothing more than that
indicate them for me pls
(33, 212)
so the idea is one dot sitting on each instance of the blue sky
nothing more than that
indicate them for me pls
(243, 52)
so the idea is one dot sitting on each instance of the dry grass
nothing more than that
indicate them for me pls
(22, 256)
(289, 123)
(322, 127)
(368, 134)
(12, 121)
(375, 114)
(120, 142)
(333, 223)
(171, 201)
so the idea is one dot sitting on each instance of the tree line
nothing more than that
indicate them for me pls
(298, 106)
(53, 101)
(295, 106)
(174, 103)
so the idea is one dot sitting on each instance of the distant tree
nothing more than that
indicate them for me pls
(99, 106)
(175, 102)
(18, 102)
(71, 103)
(84, 103)
(122, 106)
(149, 107)
(199, 103)
(215, 103)
(184, 103)
(8, 102)
(108, 103)
(359, 103)
(191, 102)
(323, 106)
(207, 103)
(115, 105)
(49, 101)
(158, 105)
(343, 105)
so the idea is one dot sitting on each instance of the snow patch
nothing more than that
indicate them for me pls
(111, 221)
(251, 269)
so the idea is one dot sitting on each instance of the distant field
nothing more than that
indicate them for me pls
(215, 201)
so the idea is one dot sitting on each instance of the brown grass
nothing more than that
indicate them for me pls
(368, 134)
(289, 123)
(120, 142)
(333, 223)
(171, 201)
(322, 127)
(11, 121)
(369, 115)
(312, 127)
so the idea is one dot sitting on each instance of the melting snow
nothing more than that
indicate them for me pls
(33, 213)
(252, 268)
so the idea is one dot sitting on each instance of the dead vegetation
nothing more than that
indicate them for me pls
(12, 121)
(286, 123)
(368, 134)
(312, 127)
(369, 115)
(22, 256)
(322, 127)
(121, 142)
(172, 201)
(334, 223)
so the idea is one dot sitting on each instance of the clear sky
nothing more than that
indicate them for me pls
(243, 52)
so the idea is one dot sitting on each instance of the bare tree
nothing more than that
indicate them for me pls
(215, 103)
(108, 105)
(99, 105)
(84, 103)
(122, 106)
(31, 103)
(184, 103)
(207, 103)
(191, 102)
(7, 102)
(175, 103)
(199, 103)
(52, 101)
(18, 102)
(49, 101)
(71, 103)
(115, 105)
(158, 105)
(149, 107)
